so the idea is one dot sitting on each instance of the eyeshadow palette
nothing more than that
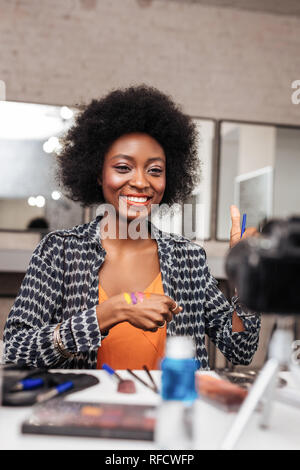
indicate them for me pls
(105, 420)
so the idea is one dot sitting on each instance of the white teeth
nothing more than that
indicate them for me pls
(137, 199)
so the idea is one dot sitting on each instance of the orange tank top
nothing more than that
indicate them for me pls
(128, 347)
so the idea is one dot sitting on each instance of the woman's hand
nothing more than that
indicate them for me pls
(235, 232)
(235, 237)
(147, 315)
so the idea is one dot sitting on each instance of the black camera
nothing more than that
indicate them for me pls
(265, 270)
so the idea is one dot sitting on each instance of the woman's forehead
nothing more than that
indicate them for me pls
(136, 145)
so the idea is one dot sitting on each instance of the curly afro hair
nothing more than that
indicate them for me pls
(141, 109)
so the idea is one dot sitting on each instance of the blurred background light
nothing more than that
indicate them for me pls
(52, 145)
(40, 201)
(66, 113)
(55, 195)
(32, 201)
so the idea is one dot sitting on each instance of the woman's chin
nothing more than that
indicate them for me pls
(134, 214)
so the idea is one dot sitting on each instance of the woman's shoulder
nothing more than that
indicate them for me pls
(54, 240)
(185, 243)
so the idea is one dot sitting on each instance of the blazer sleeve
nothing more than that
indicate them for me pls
(237, 347)
(29, 329)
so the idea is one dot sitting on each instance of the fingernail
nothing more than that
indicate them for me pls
(234, 211)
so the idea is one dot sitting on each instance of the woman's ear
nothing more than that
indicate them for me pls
(99, 181)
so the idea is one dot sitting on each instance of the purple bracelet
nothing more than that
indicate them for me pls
(133, 298)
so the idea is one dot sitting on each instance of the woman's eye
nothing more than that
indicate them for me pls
(122, 167)
(157, 171)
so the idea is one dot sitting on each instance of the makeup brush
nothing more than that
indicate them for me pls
(124, 386)
(151, 378)
(142, 381)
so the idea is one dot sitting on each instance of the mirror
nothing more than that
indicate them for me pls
(29, 195)
(259, 172)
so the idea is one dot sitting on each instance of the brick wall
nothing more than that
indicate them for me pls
(217, 62)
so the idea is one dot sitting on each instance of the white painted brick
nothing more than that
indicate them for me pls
(216, 62)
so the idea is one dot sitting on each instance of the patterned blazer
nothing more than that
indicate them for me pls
(61, 286)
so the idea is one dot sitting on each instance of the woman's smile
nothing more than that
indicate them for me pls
(136, 200)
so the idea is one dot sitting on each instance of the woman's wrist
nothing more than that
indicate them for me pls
(237, 323)
(59, 345)
(111, 312)
(241, 310)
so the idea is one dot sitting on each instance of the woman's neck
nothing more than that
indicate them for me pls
(124, 234)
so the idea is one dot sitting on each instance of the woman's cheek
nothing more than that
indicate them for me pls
(115, 181)
(161, 186)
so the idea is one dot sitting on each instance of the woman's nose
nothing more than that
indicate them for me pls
(139, 180)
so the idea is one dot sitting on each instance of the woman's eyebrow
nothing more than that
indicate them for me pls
(128, 157)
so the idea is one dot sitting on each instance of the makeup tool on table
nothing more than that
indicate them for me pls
(244, 379)
(92, 419)
(28, 384)
(59, 389)
(151, 378)
(26, 387)
(124, 386)
(152, 387)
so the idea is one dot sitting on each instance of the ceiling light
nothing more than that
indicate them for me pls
(31, 201)
(66, 113)
(40, 201)
(52, 145)
(56, 195)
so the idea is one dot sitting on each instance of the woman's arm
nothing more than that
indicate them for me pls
(29, 330)
(237, 323)
(237, 338)
(146, 315)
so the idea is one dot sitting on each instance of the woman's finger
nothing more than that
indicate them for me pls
(175, 308)
(235, 219)
(235, 232)
(168, 316)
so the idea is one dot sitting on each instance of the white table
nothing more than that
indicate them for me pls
(211, 423)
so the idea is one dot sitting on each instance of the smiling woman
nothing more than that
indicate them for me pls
(90, 297)
(142, 110)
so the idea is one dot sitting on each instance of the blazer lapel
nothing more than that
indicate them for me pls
(168, 251)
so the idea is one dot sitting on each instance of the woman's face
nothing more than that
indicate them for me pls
(134, 175)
